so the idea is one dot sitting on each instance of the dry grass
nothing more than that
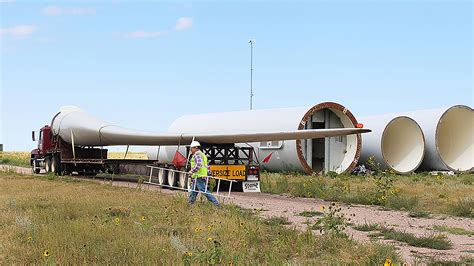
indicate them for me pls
(433, 241)
(453, 230)
(419, 193)
(15, 158)
(81, 222)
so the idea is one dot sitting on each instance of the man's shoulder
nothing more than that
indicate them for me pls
(198, 154)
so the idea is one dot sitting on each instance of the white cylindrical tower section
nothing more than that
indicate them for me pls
(403, 145)
(455, 138)
(396, 142)
(337, 154)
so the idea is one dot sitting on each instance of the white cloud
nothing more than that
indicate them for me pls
(57, 11)
(182, 24)
(18, 31)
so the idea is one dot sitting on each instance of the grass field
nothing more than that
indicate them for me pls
(55, 220)
(15, 158)
(421, 194)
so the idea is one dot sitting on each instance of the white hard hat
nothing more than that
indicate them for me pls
(195, 144)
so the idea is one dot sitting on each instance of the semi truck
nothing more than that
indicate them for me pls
(74, 143)
(57, 156)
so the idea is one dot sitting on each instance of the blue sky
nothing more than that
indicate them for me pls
(143, 64)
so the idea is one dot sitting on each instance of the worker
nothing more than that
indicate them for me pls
(199, 171)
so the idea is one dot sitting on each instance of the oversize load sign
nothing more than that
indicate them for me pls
(235, 172)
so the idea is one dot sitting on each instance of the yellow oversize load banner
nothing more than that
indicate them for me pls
(235, 172)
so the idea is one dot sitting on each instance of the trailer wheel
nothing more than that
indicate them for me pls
(183, 180)
(47, 165)
(55, 166)
(35, 168)
(172, 178)
(162, 176)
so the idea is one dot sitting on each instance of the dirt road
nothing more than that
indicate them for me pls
(282, 206)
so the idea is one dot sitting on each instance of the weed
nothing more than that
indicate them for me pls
(419, 214)
(467, 179)
(453, 230)
(463, 207)
(384, 189)
(402, 202)
(462, 261)
(333, 222)
(434, 241)
(310, 213)
(272, 221)
(366, 227)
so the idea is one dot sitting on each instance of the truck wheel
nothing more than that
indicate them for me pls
(183, 180)
(47, 165)
(162, 176)
(56, 166)
(35, 168)
(173, 178)
(190, 184)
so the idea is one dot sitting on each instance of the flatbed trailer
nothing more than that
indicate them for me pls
(226, 162)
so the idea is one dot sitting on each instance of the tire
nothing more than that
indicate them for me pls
(163, 177)
(47, 165)
(173, 179)
(189, 184)
(55, 166)
(183, 180)
(34, 167)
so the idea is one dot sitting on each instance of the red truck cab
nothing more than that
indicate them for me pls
(44, 145)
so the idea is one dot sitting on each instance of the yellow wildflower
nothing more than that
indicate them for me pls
(189, 254)
(29, 239)
(388, 262)
(143, 218)
(46, 253)
(117, 221)
(241, 223)
(209, 239)
(323, 207)
(197, 229)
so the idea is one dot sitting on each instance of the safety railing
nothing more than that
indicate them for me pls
(189, 189)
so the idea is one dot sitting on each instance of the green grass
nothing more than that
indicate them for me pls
(83, 222)
(15, 158)
(366, 227)
(276, 221)
(434, 241)
(463, 261)
(453, 230)
(310, 213)
(419, 214)
(463, 207)
(419, 193)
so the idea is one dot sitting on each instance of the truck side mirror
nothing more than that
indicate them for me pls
(33, 136)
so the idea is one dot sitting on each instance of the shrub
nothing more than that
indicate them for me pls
(400, 202)
(463, 207)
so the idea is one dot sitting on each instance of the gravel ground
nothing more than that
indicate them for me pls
(270, 205)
